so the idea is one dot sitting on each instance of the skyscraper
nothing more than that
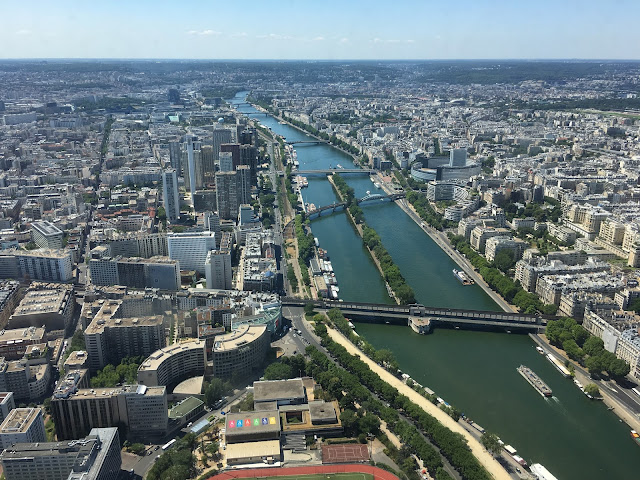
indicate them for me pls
(244, 183)
(226, 162)
(227, 195)
(234, 148)
(170, 196)
(191, 166)
(220, 135)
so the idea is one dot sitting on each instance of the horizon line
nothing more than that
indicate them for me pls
(161, 59)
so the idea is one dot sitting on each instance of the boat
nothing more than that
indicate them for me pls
(540, 350)
(541, 472)
(535, 381)
(339, 166)
(559, 366)
(462, 277)
(635, 436)
(315, 240)
(376, 184)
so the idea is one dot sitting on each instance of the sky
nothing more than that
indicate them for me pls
(321, 29)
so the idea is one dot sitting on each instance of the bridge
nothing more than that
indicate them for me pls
(455, 317)
(330, 171)
(307, 142)
(340, 205)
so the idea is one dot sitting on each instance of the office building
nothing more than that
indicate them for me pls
(212, 223)
(458, 157)
(145, 245)
(22, 425)
(228, 195)
(170, 195)
(218, 270)
(94, 457)
(190, 249)
(43, 264)
(14, 342)
(234, 148)
(241, 351)
(142, 411)
(173, 364)
(7, 403)
(244, 184)
(28, 379)
(226, 162)
(109, 338)
(48, 305)
(46, 235)
(208, 164)
(9, 295)
(190, 173)
(221, 135)
(154, 272)
(249, 157)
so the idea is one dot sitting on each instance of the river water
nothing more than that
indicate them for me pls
(575, 438)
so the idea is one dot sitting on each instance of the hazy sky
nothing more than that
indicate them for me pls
(320, 29)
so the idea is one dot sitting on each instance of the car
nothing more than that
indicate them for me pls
(518, 470)
(222, 412)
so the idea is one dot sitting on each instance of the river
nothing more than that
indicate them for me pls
(575, 438)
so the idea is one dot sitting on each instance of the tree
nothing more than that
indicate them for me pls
(504, 260)
(349, 422)
(278, 371)
(580, 334)
(592, 389)
(214, 391)
(595, 365)
(635, 306)
(369, 423)
(618, 368)
(491, 443)
(593, 345)
(308, 308)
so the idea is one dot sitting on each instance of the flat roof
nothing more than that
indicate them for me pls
(156, 358)
(266, 448)
(270, 390)
(41, 301)
(247, 423)
(241, 336)
(46, 228)
(187, 405)
(19, 420)
(17, 335)
(112, 391)
(322, 411)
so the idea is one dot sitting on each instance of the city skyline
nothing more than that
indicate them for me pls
(296, 30)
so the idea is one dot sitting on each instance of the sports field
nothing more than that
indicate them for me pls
(327, 476)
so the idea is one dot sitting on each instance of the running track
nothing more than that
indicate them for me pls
(378, 473)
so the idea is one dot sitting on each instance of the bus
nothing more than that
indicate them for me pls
(169, 444)
(636, 391)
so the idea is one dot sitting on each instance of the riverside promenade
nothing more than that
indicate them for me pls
(485, 458)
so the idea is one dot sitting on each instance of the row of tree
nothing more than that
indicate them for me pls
(509, 289)
(178, 463)
(452, 445)
(585, 348)
(425, 210)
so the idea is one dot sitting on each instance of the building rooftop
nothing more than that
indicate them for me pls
(106, 318)
(322, 412)
(46, 228)
(265, 448)
(270, 390)
(42, 301)
(156, 358)
(187, 405)
(19, 420)
(247, 423)
(113, 391)
(19, 335)
(241, 336)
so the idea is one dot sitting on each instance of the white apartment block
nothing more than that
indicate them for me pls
(191, 249)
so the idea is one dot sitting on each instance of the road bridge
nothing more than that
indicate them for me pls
(439, 316)
(307, 142)
(330, 171)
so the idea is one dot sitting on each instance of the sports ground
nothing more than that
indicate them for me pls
(320, 472)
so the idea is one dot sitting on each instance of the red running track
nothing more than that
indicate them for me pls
(378, 473)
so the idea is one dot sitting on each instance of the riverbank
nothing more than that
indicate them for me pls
(306, 132)
(478, 451)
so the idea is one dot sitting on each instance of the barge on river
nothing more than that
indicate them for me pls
(535, 381)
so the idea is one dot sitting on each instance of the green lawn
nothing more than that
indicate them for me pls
(328, 476)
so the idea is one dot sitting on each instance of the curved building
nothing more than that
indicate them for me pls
(173, 364)
(240, 351)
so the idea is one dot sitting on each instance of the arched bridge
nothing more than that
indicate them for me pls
(330, 171)
(307, 142)
(338, 206)
(437, 315)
